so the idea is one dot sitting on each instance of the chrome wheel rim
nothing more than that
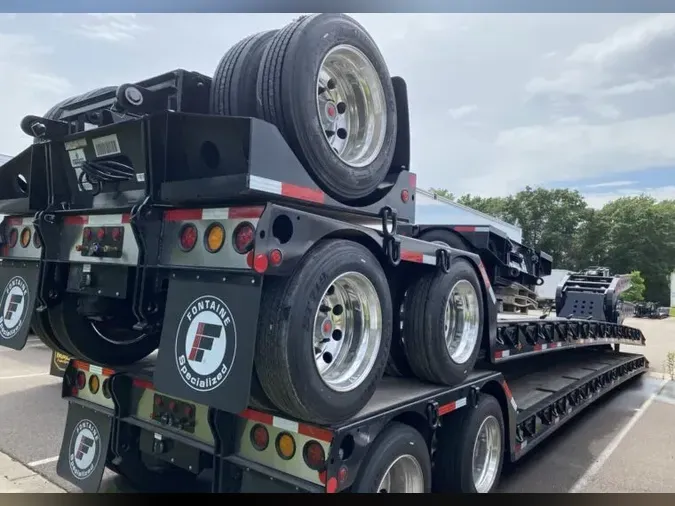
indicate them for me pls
(351, 105)
(461, 321)
(347, 332)
(487, 450)
(403, 476)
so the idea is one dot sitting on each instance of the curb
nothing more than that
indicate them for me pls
(17, 478)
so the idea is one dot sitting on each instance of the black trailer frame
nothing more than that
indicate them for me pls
(536, 400)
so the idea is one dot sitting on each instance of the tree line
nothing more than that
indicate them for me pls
(626, 235)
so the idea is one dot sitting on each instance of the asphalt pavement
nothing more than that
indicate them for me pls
(595, 452)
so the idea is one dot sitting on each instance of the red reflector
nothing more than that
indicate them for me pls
(244, 236)
(331, 486)
(314, 455)
(260, 437)
(116, 233)
(188, 237)
(342, 474)
(260, 263)
(249, 259)
(276, 257)
(405, 195)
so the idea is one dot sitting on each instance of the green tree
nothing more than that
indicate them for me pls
(442, 192)
(637, 288)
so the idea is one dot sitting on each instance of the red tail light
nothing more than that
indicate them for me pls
(36, 241)
(188, 237)
(276, 257)
(116, 233)
(81, 380)
(314, 455)
(13, 237)
(100, 233)
(260, 438)
(244, 238)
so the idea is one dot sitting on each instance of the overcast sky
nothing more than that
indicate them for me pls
(497, 101)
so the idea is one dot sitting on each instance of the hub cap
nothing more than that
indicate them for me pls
(486, 454)
(351, 105)
(404, 476)
(347, 332)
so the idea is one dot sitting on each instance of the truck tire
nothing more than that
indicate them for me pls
(308, 333)
(343, 132)
(397, 365)
(397, 461)
(233, 88)
(113, 343)
(460, 433)
(41, 328)
(443, 324)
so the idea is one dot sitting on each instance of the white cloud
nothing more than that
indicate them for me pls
(610, 184)
(112, 27)
(599, 199)
(463, 111)
(27, 86)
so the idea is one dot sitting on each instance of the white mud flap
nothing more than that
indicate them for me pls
(208, 339)
(18, 289)
(84, 447)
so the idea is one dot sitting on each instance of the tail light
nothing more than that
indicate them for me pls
(25, 237)
(116, 233)
(80, 380)
(106, 388)
(214, 238)
(276, 257)
(36, 241)
(188, 237)
(100, 234)
(243, 237)
(260, 438)
(314, 455)
(285, 446)
(13, 237)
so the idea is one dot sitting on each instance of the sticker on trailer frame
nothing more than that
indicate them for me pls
(206, 344)
(14, 306)
(84, 450)
(106, 146)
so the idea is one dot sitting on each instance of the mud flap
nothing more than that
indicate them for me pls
(84, 447)
(208, 339)
(18, 285)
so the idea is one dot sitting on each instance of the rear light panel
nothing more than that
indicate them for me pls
(294, 448)
(20, 240)
(217, 238)
(98, 239)
(102, 242)
(174, 413)
(91, 383)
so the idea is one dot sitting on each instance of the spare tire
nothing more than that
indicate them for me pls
(325, 85)
(233, 88)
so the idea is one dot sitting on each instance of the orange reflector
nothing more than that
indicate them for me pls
(285, 446)
(25, 237)
(215, 237)
(94, 384)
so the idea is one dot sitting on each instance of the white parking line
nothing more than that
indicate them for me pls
(614, 443)
(24, 376)
(43, 461)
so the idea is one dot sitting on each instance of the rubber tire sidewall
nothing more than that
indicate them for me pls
(284, 353)
(425, 346)
(295, 113)
(453, 469)
(395, 440)
(74, 331)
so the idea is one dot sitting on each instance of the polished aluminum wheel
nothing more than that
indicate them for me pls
(347, 332)
(487, 451)
(404, 476)
(351, 105)
(461, 323)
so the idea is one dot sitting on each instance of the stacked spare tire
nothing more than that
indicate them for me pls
(327, 333)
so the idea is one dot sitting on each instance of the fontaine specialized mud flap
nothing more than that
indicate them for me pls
(208, 338)
(85, 446)
(18, 285)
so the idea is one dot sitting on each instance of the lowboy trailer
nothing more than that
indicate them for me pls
(233, 266)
